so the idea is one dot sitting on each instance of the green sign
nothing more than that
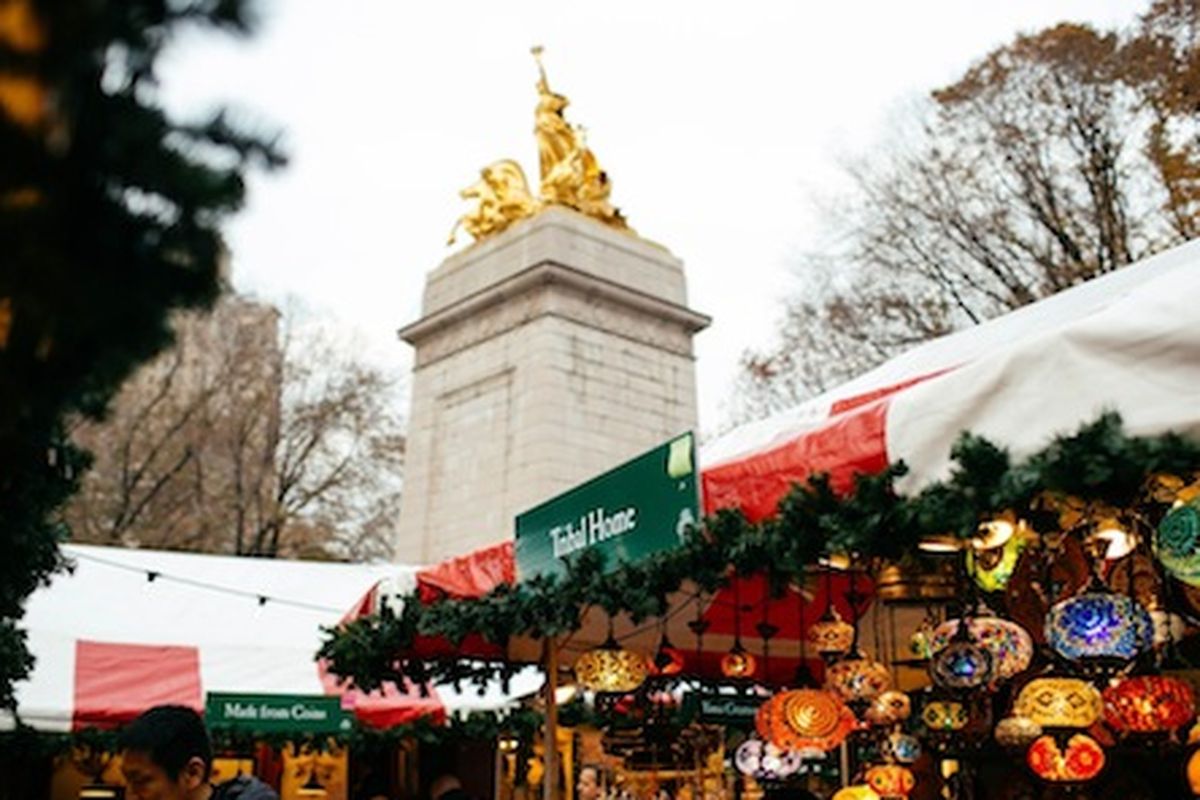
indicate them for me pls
(642, 507)
(276, 713)
(733, 710)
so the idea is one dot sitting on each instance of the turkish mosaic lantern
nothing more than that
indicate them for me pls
(1148, 704)
(1059, 703)
(1081, 760)
(668, 660)
(945, 715)
(963, 663)
(902, 748)
(1016, 732)
(738, 662)
(1099, 625)
(1177, 542)
(890, 781)
(1193, 772)
(889, 707)
(610, 668)
(859, 791)
(804, 719)
(1010, 645)
(764, 761)
(831, 635)
(993, 559)
(858, 678)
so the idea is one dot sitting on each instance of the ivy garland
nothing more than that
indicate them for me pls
(1100, 464)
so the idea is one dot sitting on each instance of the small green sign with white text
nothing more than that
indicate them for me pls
(642, 507)
(276, 713)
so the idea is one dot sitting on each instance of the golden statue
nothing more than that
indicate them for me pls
(570, 175)
(502, 197)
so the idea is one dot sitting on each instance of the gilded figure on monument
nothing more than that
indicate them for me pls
(569, 175)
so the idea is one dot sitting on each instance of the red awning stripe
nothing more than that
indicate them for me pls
(116, 682)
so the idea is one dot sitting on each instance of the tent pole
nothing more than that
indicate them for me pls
(550, 735)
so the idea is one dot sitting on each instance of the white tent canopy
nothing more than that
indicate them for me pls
(126, 629)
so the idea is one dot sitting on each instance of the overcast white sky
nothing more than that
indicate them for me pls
(721, 126)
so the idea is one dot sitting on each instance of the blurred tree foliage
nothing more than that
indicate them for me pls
(1061, 156)
(109, 217)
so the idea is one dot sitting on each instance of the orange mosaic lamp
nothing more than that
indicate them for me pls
(1148, 704)
(891, 781)
(1080, 761)
(858, 678)
(738, 662)
(805, 719)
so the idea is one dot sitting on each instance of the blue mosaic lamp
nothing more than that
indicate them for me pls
(1099, 625)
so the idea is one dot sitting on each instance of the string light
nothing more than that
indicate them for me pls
(156, 575)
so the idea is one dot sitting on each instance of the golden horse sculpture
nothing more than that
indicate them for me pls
(502, 197)
(570, 175)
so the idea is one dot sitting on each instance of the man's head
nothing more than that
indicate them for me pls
(591, 782)
(166, 754)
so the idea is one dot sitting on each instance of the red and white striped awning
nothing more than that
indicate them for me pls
(1128, 341)
(129, 629)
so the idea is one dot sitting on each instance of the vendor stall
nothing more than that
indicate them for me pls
(1068, 527)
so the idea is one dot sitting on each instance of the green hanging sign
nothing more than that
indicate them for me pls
(642, 507)
(731, 710)
(276, 713)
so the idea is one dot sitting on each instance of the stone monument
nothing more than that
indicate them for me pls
(555, 347)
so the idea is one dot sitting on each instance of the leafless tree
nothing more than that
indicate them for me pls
(1061, 156)
(247, 439)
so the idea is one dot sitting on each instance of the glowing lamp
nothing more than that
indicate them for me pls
(1193, 772)
(891, 780)
(962, 664)
(1010, 645)
(764, 761)
(738, 662)
(1080, 761)
(903, 748)
(1059, 703)
(890, 707)
(1177, 542)
(994, 567)
(1148, 704)
(1099, 625)
(1016, 732)
(945, 715)
(668, 660)
(831, 635)
(610, 668)
(804, 719)
(858, 678)
(859, 791)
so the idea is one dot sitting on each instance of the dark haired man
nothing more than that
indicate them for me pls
(166, 755)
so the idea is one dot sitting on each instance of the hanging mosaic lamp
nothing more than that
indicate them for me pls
(804, 719)
(891, 781)
(903, 748)
(859, 791)
(993, 558)
(1081, 760)
(1099, 625)
(1177, 542)
(1016, 732)
(610, 668)
(831, 635)
(945, 715)
(1148, 704)
(858, 678)
(963, 663)
(668, 659)
(1010, 645)
(738, 662)
(1193, 772)
(764, 761)
(889, 708)
(1059, 703)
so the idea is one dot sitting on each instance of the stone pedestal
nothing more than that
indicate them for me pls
(544, 356)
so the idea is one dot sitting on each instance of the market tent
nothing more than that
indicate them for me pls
(127, 629)
(1127, 341)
